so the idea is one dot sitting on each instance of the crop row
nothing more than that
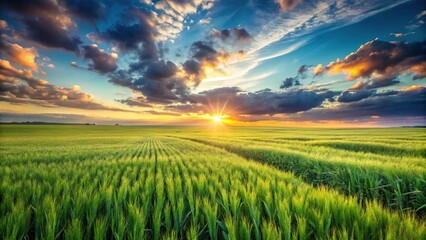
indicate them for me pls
(396, 182)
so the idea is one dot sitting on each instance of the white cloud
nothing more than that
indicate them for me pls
(205, 21)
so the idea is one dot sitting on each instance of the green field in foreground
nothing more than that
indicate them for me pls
(125, 182)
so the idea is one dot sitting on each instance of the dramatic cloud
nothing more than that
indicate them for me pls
(408, 102)
(163, 81)
(233, 35)
(90, 10)
(372, 84)
(20, 55)
(46, 23)
(7, 71)
(295, 81)
(238, 102)
(40, 92)
(382, 62)
(203, 58)
(156, 80)
(354, 96)
(164, 21)
(290, 82)
(286, 5)
(45, 31)
(129, 37)
(100, 60)
(32, 7)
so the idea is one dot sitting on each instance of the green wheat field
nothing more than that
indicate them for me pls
(132, 182)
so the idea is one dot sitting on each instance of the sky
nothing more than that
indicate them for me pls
(291, 63)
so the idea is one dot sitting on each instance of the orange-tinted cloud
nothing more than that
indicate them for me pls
(206, 59)
(3, 25)
(286, 5)
(382, 62)
(40, 92)
(357, 86)
(318, 70)
(413, 88)
(25, 57)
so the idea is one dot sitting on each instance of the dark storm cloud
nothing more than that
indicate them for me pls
(121, 78)
(33, 7)
(261, 102)
(166, 91)
(100, 60)
(203, 52)
(290, 82)
(130, 36)
(163, 81)
(203, 55)
(302, 69)
(382, 62)
(127, 37)
(354, 96)
(410, 102)
(161, 70)
(161, 89)
(295, 81)
(156, 80)
(153, 77)
(378, 83)
(90, 10)
(192, 67)
(234, 35)
(46, 23)
(45, 31)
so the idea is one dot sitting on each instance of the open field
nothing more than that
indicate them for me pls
(122, 182)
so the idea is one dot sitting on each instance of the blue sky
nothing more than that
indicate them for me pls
(169, 61)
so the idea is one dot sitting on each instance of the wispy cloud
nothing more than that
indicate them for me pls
(314, 16)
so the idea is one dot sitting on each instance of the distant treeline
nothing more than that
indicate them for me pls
(46, 123)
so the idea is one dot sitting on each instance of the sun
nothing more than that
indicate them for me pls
(217, 119)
